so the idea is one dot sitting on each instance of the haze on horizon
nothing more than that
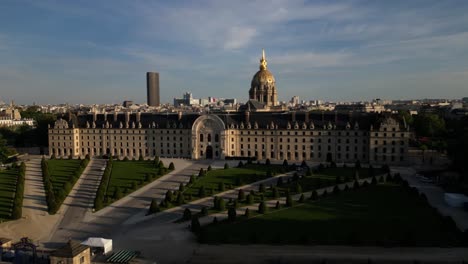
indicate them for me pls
(99, 51)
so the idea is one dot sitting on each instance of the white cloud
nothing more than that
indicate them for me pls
(239, 37)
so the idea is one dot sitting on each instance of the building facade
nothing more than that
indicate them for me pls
(294, 136)
(276, 135)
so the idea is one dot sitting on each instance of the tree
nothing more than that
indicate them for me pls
(261, 188)
(161, 164)
(301, 199)
(278, 205)
(154, 207)
(262, 208)
(279, 183)
(171, 166)
(226, 166)
(267, 162)
(201, 173)
(336, 189)
(249, 199)
(201, 192)
(221, 204)
(187, 214)
(247, 212)
(285, 163)
(180, 198)
(192, 179)
(324, 193)
(209, 168)
(231, 214)
(241, 195)
(169, 196)
(221, 186)
(338, 179)
(240, 165)
(314, 195)
(289, 200)
(298, 188)
(117, 193)
(204, 211)
(195, 225)
(374, 180)
(181, 187)
(275, 192)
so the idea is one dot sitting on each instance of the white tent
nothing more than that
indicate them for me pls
(99, 242)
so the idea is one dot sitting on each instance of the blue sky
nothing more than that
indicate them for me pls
(99, 51)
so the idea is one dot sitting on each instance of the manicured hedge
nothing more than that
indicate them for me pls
(55, 199)
(18, 202)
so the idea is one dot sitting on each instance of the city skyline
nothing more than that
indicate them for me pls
(87, 52)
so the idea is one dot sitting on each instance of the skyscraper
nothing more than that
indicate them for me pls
(152, 86)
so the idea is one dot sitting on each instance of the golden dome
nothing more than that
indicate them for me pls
(263, 76)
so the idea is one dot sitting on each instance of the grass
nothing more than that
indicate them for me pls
(228, 177)
(129, 175)
(327, 177)
(385, 214)
(8, 179)
(61, 171)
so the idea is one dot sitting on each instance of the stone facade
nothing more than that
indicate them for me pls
(295, 136)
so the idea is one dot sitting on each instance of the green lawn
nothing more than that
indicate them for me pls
(129, 174)
(230, 177)
(385, 214)
(8, 180)
(61, 171)
(327, 177)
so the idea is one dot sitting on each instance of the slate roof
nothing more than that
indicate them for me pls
(70, 250)
(319, 120)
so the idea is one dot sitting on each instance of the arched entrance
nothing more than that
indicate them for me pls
(209, 152)
(208, 138)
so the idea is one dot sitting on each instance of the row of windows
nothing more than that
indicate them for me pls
(296, 133)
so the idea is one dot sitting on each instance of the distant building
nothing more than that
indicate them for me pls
(127, 103)
(152, 87)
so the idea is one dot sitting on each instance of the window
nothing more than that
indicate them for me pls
(209, 137)
(201, 139)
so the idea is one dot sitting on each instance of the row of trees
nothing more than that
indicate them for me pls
(102, 189)
(56, 196)
(18, 201)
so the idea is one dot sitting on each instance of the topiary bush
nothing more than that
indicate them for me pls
(262, 208)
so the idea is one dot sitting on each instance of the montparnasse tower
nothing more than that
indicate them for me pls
(263, 86)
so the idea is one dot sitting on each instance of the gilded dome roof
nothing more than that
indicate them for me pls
(263, 76)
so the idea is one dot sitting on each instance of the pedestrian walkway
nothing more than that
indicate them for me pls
(80, 200)
(175, 213)
(435, 197)
(34, 202)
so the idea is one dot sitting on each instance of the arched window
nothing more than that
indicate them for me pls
(209, 137)
(201, 137)
(216, 138)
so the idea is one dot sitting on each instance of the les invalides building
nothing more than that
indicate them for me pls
(261, 129)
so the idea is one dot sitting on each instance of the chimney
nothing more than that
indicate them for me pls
(247, 116)
(94, 117)
(307, 117)
(115, 116)
(293, 116)
(179, 115)
(138, 117)
(127, 117)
